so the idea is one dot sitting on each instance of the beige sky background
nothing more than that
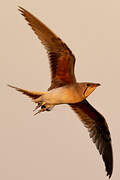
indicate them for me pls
(55, 145)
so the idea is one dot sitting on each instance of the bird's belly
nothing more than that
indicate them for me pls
(63, 95)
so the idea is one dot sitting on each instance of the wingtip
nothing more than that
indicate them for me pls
(109, 174)
(21, 9)
(109, 165)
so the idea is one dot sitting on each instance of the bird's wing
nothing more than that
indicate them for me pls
(98, 131)
(60, 56)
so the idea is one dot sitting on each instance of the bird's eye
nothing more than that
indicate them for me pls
(88, 85)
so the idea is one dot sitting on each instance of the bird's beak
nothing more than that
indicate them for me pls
(96, 85)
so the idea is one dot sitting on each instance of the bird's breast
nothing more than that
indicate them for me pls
(64, 95)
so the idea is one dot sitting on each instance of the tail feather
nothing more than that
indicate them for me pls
(32, 94)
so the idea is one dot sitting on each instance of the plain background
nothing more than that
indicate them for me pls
(55, 145)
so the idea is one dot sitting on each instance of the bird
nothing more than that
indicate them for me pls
(65, 89)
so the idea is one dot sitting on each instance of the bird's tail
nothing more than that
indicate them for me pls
(32, 94)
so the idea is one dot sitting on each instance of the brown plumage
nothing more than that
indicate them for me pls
(60, 56)
(31, 94)
(98, 131)
(65, 89)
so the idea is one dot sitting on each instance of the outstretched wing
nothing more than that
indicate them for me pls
(98, 130)
(60, 56)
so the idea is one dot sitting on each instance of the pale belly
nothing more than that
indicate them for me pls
(63, 95)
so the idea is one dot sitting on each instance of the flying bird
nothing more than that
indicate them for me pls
(65, 89)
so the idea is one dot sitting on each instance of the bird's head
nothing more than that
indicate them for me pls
(88, 88)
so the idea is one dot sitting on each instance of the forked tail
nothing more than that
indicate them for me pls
(32, 94)
(36, 98)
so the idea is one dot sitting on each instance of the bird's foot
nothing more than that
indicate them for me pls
(44, 107)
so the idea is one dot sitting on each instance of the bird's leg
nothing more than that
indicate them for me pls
(44, 107)
(41, 110)
(38, 105)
